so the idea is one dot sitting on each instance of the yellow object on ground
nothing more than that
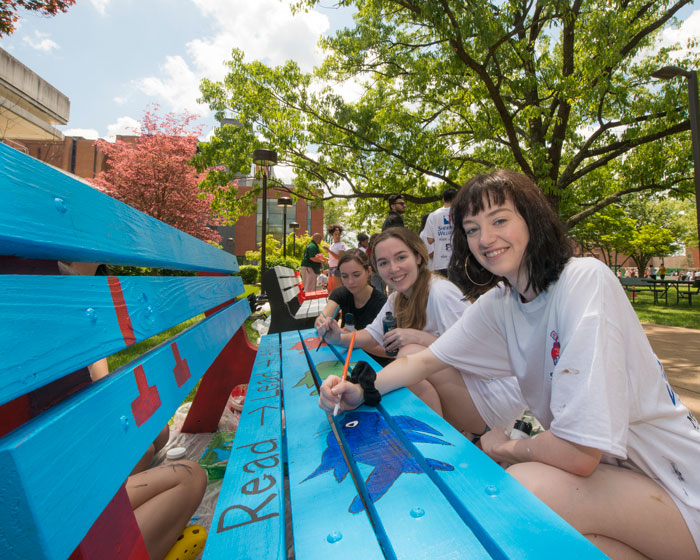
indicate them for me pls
(189, 544)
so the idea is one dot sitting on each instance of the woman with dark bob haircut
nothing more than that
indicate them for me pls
(548, 249)
(618, 457)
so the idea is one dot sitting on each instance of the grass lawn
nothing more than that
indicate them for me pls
(674, 315)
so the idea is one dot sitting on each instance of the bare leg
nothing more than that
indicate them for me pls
(157, 445)
(623, 512)
(163, 499)
(445, 392)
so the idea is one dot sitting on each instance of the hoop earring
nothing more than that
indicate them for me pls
(466, 271)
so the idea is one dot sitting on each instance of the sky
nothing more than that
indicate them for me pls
(113, 58)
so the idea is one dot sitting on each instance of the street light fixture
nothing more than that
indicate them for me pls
(264, 159)
(667, 73)
(294, 226)
(284, 202)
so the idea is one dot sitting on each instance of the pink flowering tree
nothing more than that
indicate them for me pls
(151, 172)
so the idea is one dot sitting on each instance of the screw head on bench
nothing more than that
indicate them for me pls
(60, 205)
(417, 512)
(125, 422)
(491, 490)
(334, 536)
(91, 314)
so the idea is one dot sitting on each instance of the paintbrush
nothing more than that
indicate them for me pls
(345, 371)
(323, 338)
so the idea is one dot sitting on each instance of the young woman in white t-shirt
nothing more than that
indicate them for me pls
(425, 306)
(335, 251)
(619, 455)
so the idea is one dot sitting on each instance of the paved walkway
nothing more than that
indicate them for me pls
(678, 350)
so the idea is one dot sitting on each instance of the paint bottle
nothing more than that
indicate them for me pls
(521, 430)
(349, 322)
(389, 323)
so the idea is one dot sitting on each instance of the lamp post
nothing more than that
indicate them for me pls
(264, 159)
(294, 226)
(667, 73)
(284, 202)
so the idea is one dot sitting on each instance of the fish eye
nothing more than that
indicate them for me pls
(352, 424)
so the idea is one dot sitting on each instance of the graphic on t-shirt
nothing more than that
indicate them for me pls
(446, 220)
(556, 347)
(372, 442)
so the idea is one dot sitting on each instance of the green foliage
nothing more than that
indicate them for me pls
(274, 254)
(250, 274)
(446, 89)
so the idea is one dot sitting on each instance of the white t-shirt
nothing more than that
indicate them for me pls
(439, 227)
(336, 248)
(588, 373)
(497, 399)
(445, 305)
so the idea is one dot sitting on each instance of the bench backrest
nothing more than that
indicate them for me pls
(63, 467)
(289, 283)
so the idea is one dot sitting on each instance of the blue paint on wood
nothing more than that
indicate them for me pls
(509, 520)
(249, 520)
(48, 214)
(73, 323)
(63, 467)
(322, 525)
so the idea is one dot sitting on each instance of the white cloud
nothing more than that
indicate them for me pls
(124, 125)
(178, 88)
(120, 100)
(265, 29)
(100, 6)
(689, 30)
(88, 133)
(40, 41)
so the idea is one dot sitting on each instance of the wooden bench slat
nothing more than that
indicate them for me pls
(322, 525)
(249, 520)
(510, 520)
(412, 511)
(47, 214)
(63, 467)
(53, 325)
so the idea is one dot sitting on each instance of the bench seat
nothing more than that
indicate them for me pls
(394, 481)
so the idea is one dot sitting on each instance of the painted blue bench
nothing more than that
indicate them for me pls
(392, 482)
(68, 444)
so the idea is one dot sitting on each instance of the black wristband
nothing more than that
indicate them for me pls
(364, 376)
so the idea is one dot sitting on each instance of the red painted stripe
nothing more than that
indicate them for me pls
(115, 288)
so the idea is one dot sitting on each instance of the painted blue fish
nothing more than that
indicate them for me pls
(373, 443)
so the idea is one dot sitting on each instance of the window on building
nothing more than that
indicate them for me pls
(275, 216)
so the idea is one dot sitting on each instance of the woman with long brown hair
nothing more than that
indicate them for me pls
(426, 305)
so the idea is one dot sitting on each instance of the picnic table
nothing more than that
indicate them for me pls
(660, 288)
(395, 481)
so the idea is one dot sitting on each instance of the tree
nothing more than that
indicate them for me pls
(152, 173)
(9, 9)
(555, 89)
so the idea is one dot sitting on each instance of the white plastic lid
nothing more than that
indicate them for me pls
(176, 453)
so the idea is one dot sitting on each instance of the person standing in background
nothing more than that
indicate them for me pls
(438, 234)
(362, 242)
(335, 251)
(311, 263)
(397, 207)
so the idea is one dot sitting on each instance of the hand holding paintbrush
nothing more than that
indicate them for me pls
(345, 371)
(323, 338)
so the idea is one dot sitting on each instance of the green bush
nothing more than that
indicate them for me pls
(250, 274)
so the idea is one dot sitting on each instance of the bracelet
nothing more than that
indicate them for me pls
(364, 376)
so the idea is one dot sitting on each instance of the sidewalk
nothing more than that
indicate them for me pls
(678, 349)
